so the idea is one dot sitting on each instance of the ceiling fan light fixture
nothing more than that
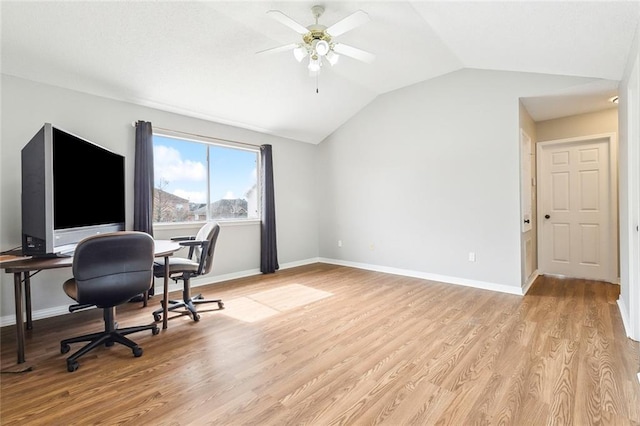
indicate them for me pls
(332, 57)
(321, 47)
(299, 53)
(314, 64)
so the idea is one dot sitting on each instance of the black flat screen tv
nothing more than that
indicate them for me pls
(71, 189)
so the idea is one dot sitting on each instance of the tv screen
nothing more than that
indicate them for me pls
(88, 183)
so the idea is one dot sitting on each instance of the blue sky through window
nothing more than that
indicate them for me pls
(180, 167)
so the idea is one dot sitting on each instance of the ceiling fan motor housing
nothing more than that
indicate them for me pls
(316, 32)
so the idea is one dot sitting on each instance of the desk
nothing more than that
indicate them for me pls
(163, 248)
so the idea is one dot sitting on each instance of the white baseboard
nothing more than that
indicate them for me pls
(625, 316)
(158, 288)
(528, 284)
(36, 315)
(206, 280)
(428, 276)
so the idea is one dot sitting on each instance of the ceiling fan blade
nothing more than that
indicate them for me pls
(354, 53)
(284, 19)
(278, 49)
(356, 19)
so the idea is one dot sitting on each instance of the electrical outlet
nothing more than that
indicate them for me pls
(472, 256)
(339, 243)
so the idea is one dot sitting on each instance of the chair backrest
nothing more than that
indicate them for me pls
(209, 232)
(109, 269)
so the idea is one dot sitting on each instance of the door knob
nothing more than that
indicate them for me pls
(546, 216)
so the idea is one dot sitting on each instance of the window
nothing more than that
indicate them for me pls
(198, 180)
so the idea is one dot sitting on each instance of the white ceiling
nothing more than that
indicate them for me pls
(199, 58)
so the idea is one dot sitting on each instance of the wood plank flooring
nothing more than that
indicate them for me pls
(328, 345)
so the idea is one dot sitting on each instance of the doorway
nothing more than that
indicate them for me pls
(577, 208)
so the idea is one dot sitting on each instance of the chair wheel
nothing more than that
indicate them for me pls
(64, 348)
(220, 305)
(196, 317)
(137, 351)
(155, 330)
(156, 317)
(72, 366)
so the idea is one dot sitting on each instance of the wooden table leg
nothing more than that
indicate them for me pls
(165, 299)
(17, 290)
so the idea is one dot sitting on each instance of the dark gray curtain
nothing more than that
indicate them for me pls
(143, 184)
(143, 179)
(268, 246)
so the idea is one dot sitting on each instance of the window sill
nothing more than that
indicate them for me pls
(224, 223)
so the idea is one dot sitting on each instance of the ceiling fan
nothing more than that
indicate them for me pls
(318, 40)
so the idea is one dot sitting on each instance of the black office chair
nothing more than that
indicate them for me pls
(108, 270)
(199, 261)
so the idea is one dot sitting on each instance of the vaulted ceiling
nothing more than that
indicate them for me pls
(199, 58)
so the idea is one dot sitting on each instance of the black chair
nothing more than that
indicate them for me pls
(108, 270)
(199, 261)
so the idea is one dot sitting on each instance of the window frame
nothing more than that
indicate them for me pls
(223, 143)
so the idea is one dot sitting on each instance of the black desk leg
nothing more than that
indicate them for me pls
(17, 290)
(27, 300)
(165, 299)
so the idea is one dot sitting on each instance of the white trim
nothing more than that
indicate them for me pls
(36, 315)
(209, 279)
(428, 276)
(625, 317)
(630, 103)
(206, 280)
(224, 223)
(211, 140)
(530, 281)
(158, 287)
(526, 192)
(613, 192)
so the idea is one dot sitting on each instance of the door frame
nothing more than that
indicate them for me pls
(613, 272)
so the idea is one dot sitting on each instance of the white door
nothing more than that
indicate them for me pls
(574, 217)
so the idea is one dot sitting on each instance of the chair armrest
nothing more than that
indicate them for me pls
(183, 238)
(191, 243)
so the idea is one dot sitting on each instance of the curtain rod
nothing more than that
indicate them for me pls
(133, 124)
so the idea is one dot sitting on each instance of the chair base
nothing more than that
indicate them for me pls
(187, 305)
(108, 337)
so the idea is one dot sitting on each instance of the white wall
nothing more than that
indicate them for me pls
(588, 124)
(428, 173)
(629, 145)
(413, 183)
(26, 106)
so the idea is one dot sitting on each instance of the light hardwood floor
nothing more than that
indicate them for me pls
(324, 345)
